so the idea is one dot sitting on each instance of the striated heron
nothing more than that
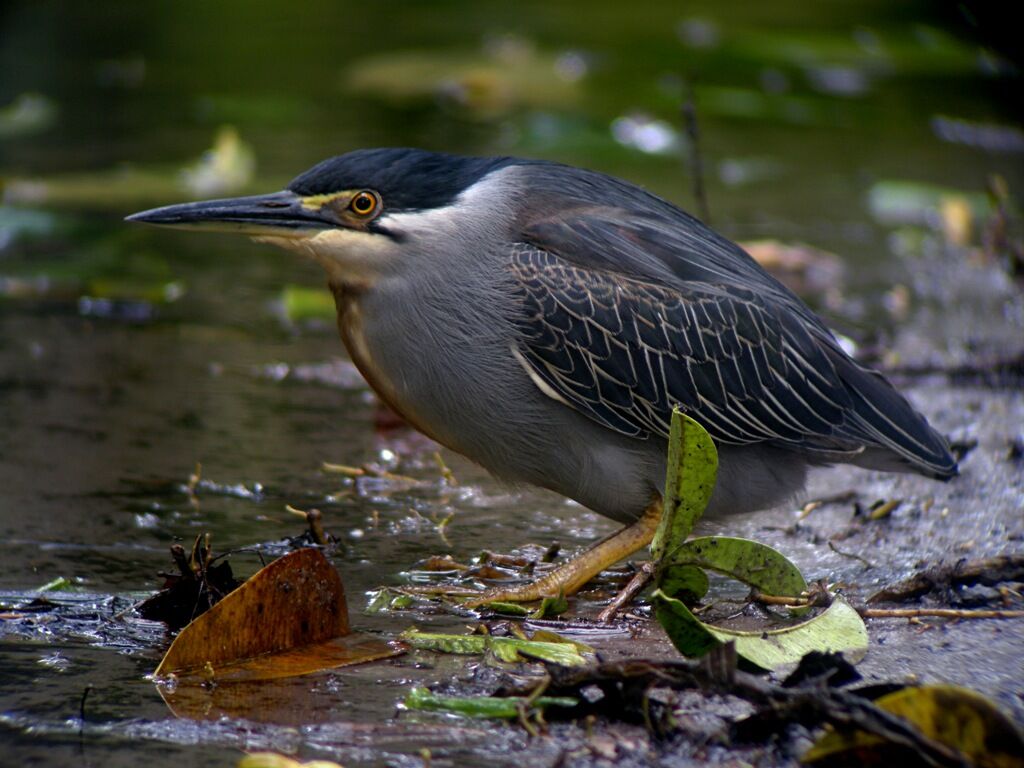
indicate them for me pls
(543, 320)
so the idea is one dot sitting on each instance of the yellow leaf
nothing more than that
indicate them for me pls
(957, 717)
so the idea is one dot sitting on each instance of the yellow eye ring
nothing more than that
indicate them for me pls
(363, 203)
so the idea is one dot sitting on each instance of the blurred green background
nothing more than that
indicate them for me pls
(801, 106)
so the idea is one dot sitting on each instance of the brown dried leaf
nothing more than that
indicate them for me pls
(260, 690)
(440, 563)
(295, 602)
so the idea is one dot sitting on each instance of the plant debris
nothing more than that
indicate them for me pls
(289, 619)
(314, 519)
(989, 571)
(196, 588)
(503, 707)
(627, 690)
(549, 647)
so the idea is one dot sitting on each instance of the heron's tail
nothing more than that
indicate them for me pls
(904, 439)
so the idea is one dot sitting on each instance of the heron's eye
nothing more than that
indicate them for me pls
(363, 203)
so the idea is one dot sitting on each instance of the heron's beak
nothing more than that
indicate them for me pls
(279, 214)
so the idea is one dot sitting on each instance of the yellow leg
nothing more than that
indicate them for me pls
(567, 579)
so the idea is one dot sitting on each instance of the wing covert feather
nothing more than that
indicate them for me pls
(625, 351)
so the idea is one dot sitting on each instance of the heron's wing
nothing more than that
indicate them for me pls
(624, 351)
(663, 245)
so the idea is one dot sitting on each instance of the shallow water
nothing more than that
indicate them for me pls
(109, 396)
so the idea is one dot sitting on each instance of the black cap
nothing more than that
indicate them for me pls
(406, 179)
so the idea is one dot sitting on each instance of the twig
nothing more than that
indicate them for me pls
(942, 613)
(367, 471)
(178, 555)
(537, 692)
(81, 719)
(835, 498)
(689, 109)
(343, 469)
(791, 600)
(442, 527)
(989, 571)
(851, 555)
(816, 595)
(551, 553)
(193, 480)
(884, 509)
(446, 472)
(628, 592)
(809, 507)
(314, 519)
(814, 598)
(81, 708)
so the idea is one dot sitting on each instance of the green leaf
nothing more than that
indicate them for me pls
(688, 634)
(689, 482)
(839, 628)
(547, 636)
(551, 606)
(684, 582)
(507, 708)
(748, 561)
(58, 584)
(432, 641)
(386, 600)
(510, 649)
(508, 609)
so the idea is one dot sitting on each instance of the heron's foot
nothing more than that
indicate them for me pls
(567, 579)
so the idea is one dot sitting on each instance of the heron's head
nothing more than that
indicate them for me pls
(363, 214)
